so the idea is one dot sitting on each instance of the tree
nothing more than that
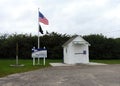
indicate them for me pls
(101, 46)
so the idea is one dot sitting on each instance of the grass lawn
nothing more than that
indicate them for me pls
(107, 61)
(6, 69)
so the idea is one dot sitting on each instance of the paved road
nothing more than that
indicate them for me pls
(80, 75)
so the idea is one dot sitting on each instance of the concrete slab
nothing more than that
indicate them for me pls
(93, 63)
(62, 64)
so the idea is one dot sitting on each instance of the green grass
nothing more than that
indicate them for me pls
(6, 69)
(106, 61)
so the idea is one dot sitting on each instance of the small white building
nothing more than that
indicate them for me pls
(76, 50)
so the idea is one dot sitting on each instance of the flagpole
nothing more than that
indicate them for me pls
(38, 31)
(44, 21)
(38, 36)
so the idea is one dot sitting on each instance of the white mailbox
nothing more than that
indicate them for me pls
(76, 50)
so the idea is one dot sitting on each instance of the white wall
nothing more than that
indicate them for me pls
(65, 54)
(68, 54)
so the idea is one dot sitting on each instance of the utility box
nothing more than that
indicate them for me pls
(76, 50)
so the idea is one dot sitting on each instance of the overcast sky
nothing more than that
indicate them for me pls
(82, 17)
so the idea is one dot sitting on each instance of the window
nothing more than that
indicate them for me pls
(66, 50)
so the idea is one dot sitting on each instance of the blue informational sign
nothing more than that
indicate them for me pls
(39, 53)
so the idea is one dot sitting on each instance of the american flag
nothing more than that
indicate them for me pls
(43, 19)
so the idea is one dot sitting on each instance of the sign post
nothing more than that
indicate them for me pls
(44, 61)
(16, 53)
(17, 64)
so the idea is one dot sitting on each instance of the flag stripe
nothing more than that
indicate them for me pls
(43, 20)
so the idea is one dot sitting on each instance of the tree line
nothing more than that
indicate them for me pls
(101, 46)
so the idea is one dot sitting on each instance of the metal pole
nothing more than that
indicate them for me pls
(38, 36)
(38, 31)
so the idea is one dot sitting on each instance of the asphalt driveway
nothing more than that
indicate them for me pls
(79, 75)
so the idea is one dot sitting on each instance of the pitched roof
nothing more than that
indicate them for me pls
(71, 39)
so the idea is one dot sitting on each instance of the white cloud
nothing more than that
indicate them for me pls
(65, 16)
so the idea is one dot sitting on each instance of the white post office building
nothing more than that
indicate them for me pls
(76, 50)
